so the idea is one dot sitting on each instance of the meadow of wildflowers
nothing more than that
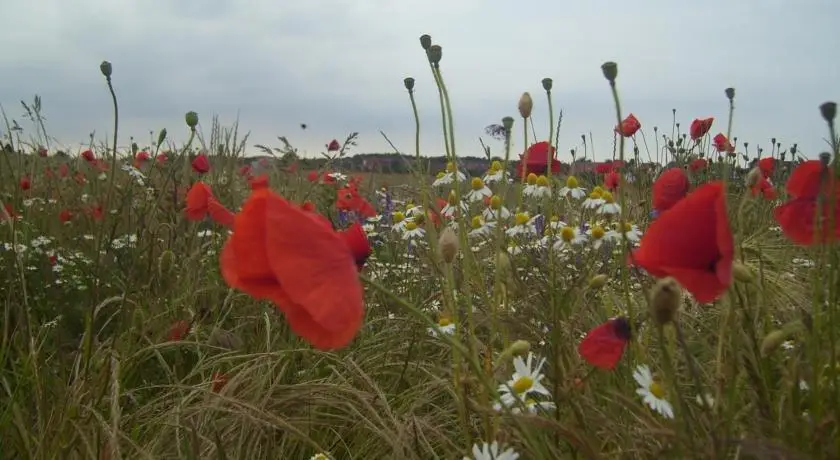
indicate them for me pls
(182, 302)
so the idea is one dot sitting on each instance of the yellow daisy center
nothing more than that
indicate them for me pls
(595, 194)
(657, 390)
(453, 198)
(568, 234)
(598, 189)
(542, 181)
(522, 384)
(608, 197)
(450, 167)
(410, 226)
(522, 218)
(628, 227)
(477, 183)
(598, 232)
(398, 217)
(444, 321)
(531, 179)
(496, 165)
(476, 222)
(572, 182)
(496, 202)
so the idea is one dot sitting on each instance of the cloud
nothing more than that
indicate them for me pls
(338, 65)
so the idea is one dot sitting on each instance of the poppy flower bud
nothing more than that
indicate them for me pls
(503, 264)
(507, 123)
(448, 245)
(793, 149)
(520, 347)
(161, 136)
(776, 338)
(598, 281)
(741, 272)
(435, 53)
(730, 93)
(192, 119)
(547, 84)
(106, 69)
(526, 105)
(773, 140)
(610, 70)
(828, 111)
(665, 299)
(409, 83)
(426, 41)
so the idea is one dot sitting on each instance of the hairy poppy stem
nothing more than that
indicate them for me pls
(673, 383)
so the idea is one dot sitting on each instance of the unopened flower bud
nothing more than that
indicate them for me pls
(610, 70)
(730, 93)
(753, 177)
(520, 347)
(106, 69)
(828, 111)
(161, 136)
(547, 84)
(665, 299)
(741, 272)
(191, 119)
(409, 83)
(503, 264)
(448, 245)
(825, 158)
(598, 281)
(425, 41)
(435, 53)
(165, 263)
(526, 105)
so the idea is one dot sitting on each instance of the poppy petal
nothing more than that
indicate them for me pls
(602, 347)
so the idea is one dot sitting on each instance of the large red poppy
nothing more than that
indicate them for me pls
(692, 242)
(669, 188)
(799, 216)
(536, 160)
(281, 253)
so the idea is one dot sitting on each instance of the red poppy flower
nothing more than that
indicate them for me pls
(700, 127)
(63, 170)
(692, 243)
(281, 253)
(765, 188)
(669, 188)
(201, 202)
(698, 164)
(160, 160)
(604, 345)
(349, 199)
(201, 164)
(628, 126)
(308, 206)
(142, 156)
(178, 330)
(260, 181)
(25, 183)
(245, 171)
(9, 210)
(357, 242)
(722, 144)
(65, 216)
(95, 212)
(42, 152)
(333, 146)
(88, 155)
(798, 216)
(312, 176)
(603, 168)
(767, 165)
(536, 160)
(611, 181)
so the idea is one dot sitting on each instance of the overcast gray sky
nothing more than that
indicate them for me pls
(338, 66)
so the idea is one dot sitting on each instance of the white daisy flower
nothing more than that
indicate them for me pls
(595, 199)
(491, 451)
(609, 207)
(524, 225)
(479, 191)
(652, 392)
(412, 231)
(569, 236)
(632, 232)
(445, 326)
(573, 189)
(480, 227)
(526, 381)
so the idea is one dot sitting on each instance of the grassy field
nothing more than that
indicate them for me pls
(180, 307)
